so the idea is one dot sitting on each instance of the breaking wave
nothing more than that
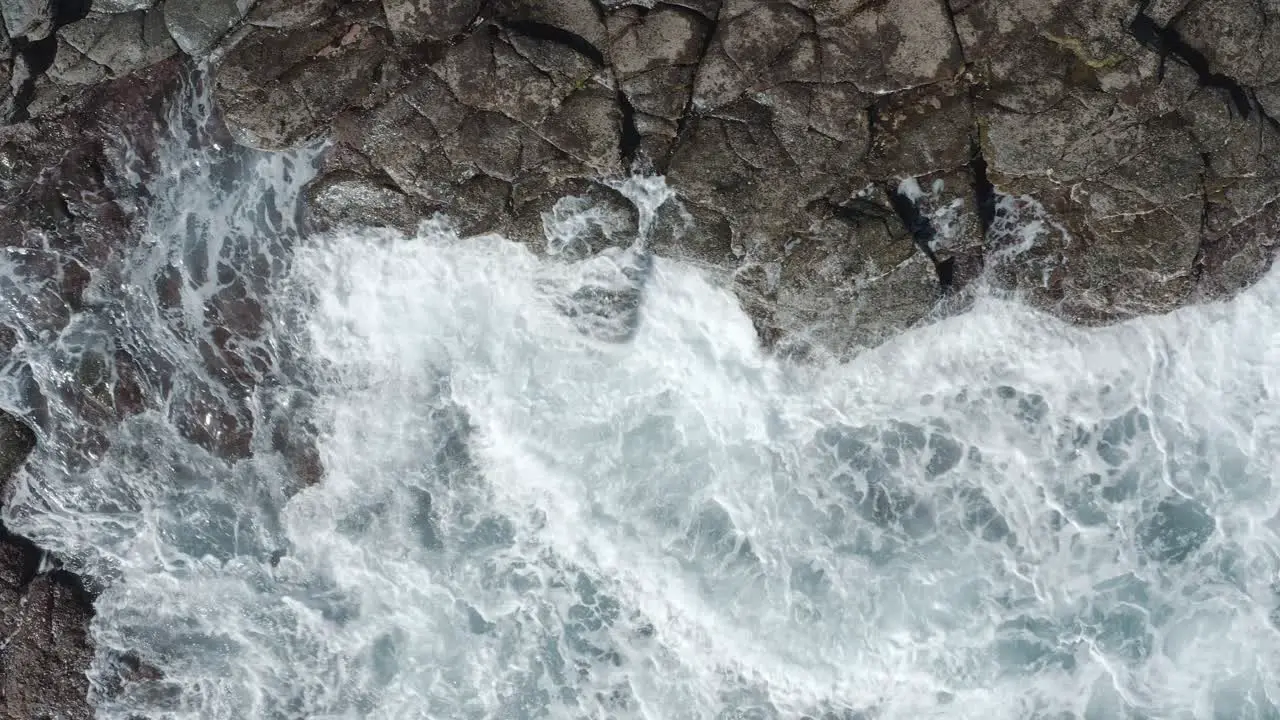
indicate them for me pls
(374, 476)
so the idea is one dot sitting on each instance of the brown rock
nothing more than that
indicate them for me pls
(44, 619)
(829, 155)
(46, 653)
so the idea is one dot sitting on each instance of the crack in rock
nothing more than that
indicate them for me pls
(1168, 42)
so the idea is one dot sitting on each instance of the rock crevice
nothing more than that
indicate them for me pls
(849, 168)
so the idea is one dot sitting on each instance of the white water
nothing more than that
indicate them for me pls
(996, 516)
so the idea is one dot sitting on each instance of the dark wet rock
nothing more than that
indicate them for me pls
(42, 667)
(65, 199)
(44, 617)
(66, 205)
(1240, 256)
(108, 46)
(16, 441)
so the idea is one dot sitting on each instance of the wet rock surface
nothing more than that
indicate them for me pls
(1102, 160)
(68, 194)
(44, 617)
(849, 168)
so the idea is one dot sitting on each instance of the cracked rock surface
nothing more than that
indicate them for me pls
(60, 213)
(849, 168)
(1136, 137)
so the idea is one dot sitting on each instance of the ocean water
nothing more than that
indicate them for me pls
(577, 489)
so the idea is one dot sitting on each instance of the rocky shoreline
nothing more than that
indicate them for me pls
(44, 617)
(849, 168)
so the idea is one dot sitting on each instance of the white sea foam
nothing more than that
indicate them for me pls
(540, 503)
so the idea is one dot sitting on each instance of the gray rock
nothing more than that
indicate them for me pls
(655, 58)
(110, 46)
(28, 20)
(42, 74)
(70, 67)
(198, 25)
(281, 86)
(1240, 39)
(578, 17)
(495, 131)
(351, 200)
(843, 164)
(122, 6)
(1140, 167)
(416, 21)
(290, 13)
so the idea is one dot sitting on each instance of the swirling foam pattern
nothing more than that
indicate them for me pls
(525, 514)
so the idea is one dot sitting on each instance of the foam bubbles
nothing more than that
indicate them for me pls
(575, 488)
